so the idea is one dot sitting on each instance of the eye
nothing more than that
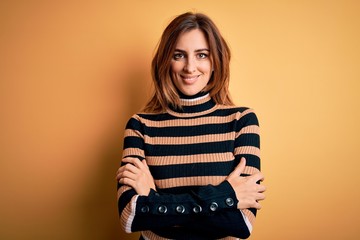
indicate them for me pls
(202, 55)
(178, 56)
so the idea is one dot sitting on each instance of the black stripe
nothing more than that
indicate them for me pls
(248, 139)
(228, 111)
(192, 169)
(251, 160)
(216, 113)
(189, 149)
(247, 120)
(134, 124)
(198, 108)
(253, 210)
(183, 131)
(157, 117)
(132, 156)
(124, 198)
(133, 142)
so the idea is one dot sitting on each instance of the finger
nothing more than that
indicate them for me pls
(117, 177)
(128, 160)
(145, 163)
(127, 181)
(132, 168)
(119, 172)
(129, 168)
(261, 188)
(257, 177)
(257, 205)
(127, 175)
(146, 168)
(138, 163)
(260, 196)
(119, 169)
(135, 161)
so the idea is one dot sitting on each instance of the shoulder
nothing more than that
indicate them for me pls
(142, 118)
(239, 110)
(242, 115)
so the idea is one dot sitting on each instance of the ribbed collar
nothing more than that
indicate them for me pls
(192, 106)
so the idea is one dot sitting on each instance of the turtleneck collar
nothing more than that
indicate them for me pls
(196, 105)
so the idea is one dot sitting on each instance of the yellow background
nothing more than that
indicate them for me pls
(73, 72)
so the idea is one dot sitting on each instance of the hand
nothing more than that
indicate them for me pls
(247, 191)
(136, 174)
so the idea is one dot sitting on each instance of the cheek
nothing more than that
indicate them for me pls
(176, 67)
(206, 67)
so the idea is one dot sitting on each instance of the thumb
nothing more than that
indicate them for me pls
(237, 171)
(145, 163)
(240, 167)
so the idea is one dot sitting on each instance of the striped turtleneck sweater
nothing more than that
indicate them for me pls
(190, 152)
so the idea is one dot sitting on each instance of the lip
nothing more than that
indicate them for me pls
(189, 79)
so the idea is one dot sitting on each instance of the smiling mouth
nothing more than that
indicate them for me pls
(190, 79)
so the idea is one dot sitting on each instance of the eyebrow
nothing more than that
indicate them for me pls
(197, 50)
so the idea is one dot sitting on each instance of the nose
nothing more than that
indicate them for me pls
(190, 66)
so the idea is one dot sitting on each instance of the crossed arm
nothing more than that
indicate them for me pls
(248, 192)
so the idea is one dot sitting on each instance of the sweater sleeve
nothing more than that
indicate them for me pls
(247, 141)
(247, 145)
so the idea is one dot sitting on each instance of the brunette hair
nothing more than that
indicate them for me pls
(165, 92)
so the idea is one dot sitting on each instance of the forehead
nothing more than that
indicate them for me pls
(192, 40)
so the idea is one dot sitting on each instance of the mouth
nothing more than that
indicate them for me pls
(189, 79)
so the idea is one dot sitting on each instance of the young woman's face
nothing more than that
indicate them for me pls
(191, 65)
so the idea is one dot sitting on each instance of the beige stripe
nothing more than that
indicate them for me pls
(132, 133)
(121, 190)
(247, 111)
(249, 129)
(251, 170)
(247, 150)
(199, 158)
(189, 181)
(152, 236)
(250, 216)
(133, 151)
(193, 122)
(190, 122)
(127, 215)
(190, 139)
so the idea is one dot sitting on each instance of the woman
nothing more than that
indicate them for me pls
(191, 164)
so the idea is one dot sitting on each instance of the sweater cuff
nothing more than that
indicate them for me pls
(220, 197)
(206, 201)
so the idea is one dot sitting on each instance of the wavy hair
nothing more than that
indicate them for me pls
(165, 92)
